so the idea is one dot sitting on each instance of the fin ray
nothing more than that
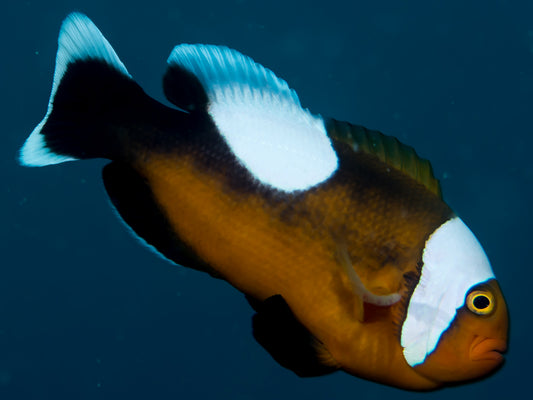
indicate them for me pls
(132, 198)
(281, 144)
(388, 149)
(359, 288)
(79, 40)
(219, 67)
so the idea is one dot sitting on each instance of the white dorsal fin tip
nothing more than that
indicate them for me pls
(260, 118)
(219, 67)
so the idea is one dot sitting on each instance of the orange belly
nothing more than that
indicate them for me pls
(237, 234)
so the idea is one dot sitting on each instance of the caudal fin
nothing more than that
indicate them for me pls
(92, 94)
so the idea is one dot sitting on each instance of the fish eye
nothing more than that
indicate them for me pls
(480, 302)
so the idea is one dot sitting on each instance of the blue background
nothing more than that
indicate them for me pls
(88, 313)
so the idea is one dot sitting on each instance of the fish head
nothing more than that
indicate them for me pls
(456, 325)
(474, 344)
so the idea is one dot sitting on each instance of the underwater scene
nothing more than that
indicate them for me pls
(246, 217)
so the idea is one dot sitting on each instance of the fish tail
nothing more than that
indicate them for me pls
(92, 97)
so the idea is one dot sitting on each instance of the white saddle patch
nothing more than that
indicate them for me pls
(260, 118)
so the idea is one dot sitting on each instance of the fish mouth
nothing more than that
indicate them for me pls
(485, 348)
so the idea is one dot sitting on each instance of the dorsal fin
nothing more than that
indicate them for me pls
(387, 149)
(228, 73)
(282, 145)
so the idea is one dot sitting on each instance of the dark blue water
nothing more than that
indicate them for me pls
(88, 313)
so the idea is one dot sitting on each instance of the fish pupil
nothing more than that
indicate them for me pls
(481, 302)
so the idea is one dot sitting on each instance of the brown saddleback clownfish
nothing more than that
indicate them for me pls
(337, 235)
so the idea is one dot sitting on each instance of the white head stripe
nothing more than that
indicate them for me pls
(453, 262)
(260, 118)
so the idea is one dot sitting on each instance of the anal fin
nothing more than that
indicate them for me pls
(288, 341)
(132, 197)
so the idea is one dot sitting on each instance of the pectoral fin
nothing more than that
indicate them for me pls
(358, 287)
(289, 342)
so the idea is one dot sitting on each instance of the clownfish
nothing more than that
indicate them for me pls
(337, 235)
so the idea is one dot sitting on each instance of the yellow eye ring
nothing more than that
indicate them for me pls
(480, 302)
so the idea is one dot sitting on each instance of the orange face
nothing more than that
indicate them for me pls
(473, 345)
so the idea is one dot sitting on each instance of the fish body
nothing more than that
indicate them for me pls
(337, 235)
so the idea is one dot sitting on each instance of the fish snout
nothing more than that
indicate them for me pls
(484, 348)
